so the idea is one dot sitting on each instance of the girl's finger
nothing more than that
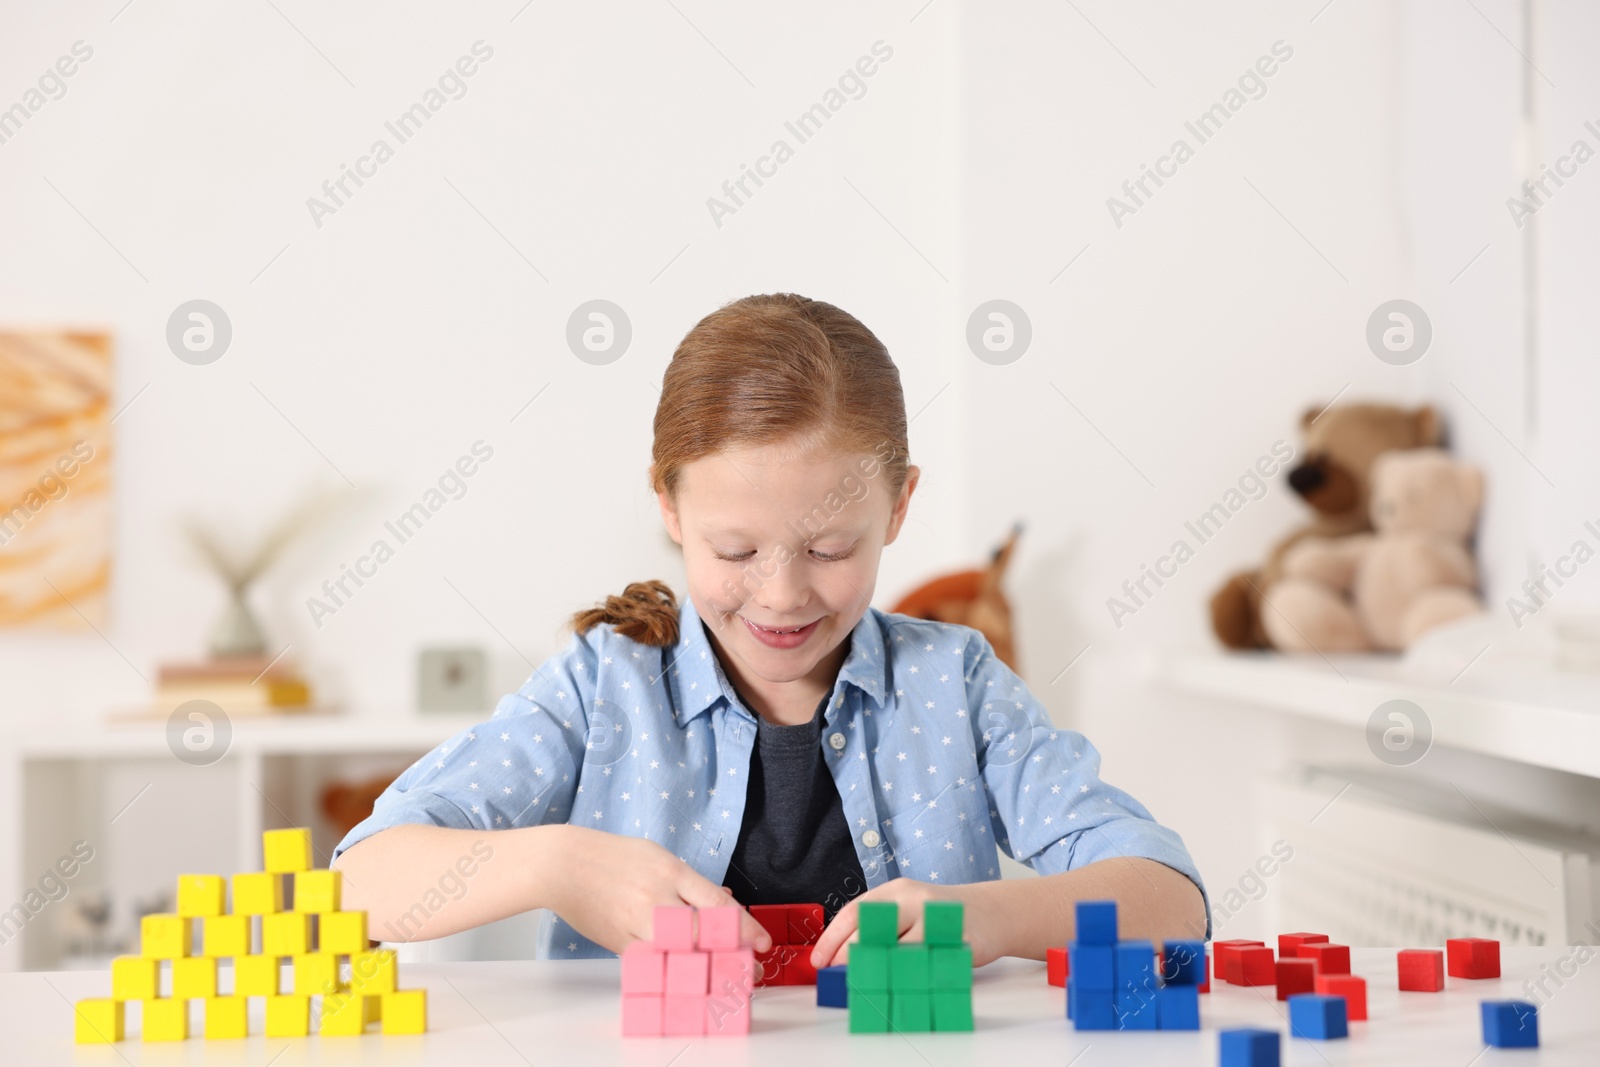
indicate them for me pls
(703, 893)
(838, 932)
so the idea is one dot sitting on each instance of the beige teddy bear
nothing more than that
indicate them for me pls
(1385, 589)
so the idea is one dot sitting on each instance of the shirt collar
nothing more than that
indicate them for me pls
(701, 681)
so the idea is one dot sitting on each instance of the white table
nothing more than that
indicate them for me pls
(561, 1013)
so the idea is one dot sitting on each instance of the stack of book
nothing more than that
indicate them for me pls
(239, 685)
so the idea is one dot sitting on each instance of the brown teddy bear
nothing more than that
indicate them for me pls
(1385, 589)
(1341, 444)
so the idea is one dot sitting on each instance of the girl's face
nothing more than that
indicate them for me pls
(775, 540)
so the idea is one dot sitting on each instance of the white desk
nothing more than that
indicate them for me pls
(560, 1013)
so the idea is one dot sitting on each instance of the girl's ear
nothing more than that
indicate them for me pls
(898, 516)
(669, 516)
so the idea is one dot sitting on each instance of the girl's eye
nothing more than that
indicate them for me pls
(822, 557)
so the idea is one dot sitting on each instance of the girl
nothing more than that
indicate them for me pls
(775, 736)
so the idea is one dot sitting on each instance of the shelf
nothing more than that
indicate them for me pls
(278, 735)
(1543, 718)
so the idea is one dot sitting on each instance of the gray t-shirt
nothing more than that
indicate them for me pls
(794, 844)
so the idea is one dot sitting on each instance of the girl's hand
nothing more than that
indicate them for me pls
(980, 929)
(609, 886)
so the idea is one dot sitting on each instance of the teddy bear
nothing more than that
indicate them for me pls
(1341, 443)
(1385, 589)
(972, 598)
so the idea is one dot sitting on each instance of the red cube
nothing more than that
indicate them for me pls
(1254, 966)
(1289, 944)
(770, 965)
(797, 969)
(1473, 957)
(1225, 952)
(1421, 970)
(1296, 976)
(1055, 963)
(774, 918)
(1330, 959)
(1352, 988)
(805, 924)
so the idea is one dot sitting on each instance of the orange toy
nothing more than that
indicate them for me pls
(972, 598)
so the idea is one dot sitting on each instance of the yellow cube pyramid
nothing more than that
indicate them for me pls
(168, 940)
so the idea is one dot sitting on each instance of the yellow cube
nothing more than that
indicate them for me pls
(255, 976)
(373, 972)
(135, 978)
(343, 933)
(165, 937)
(98, 1022)
(257, 893)
(405, 1012)
(316, 891)
(289, 1016)
(227, 1017)
(166, 1019)
(202, 894)
(194, 978)
(316, 973)
(372, 1009)
(225, 935)
(287, 850)
(287, 933)
(343, 1015)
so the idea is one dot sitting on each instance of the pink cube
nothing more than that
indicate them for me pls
(683, 1015)
(641, 1015)
(727, 1015)
(688, 973)
(674, 928)
(719, 928)
(644, 969)
(733, 973)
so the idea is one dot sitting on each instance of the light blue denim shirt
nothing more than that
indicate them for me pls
(940, 753)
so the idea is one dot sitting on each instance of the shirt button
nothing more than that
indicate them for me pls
(836, 742)
(871, 839)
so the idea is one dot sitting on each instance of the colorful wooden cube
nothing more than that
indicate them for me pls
(1510, 1024)
(343, 933)
(1225, 957)
(97, 1021)
(255, 976)
(1055, 966)
(1330, 959)
(1248, 1048)
(225, 935)
(286, 851)
(910, 1012)
(1096, 922)
(774, 919)
(952, 1011)
(1296, 976)
(1289, 944)
(869, 1010)
(1093, 966)
(644, 969)
(942, 922)
(405, 1011)
(688, 973)
(1352, 988)
(805, 923)
(733, 973)
(316, 973)
(343, 1015)
(910, 969)
(164, 1019)
(673, 928)
(683, 1014)
(718, 928)
(1254, 965)
(165, 937)
(949, 967)
(374, 972)
(1472, 957)
(728, 1013)
(641, 1015)
(227, 1017)
(1184, 963)
(194, 978)
(316, 892)
(1319, 1017)
(289, 1015)
(135, 978)
(287, 933)
(1421, 970)
(832, 989)
(1178, 1007)
(868, 967)
(202, 894)
(257, 893)
(878, 923)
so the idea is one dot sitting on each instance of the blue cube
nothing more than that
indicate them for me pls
(1094, 966)
(1184, 963)
(1317, 1016)
(1248, 1048)
(832, 989)
(1137, 1010)
(1097, 922)
(1136, 966)
(1178, 1007)
(1094, 1009)
(1510, 1024)
(1072, 988)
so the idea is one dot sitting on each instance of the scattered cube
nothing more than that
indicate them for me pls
(1352, 988)
(1184, 963)
(1296, 976)
(1055, 966)
(201, 894)
(98, 1021)
(719, 928)
(1472, 957)
(832, 989)
(343, 933)
(673, 929)
(225, 935)
(164, 1019)
(943, 922)
(1225, 954)
(257, 893)
(1096, 922)
(1289, 944)
(255, 976)
(316, 892)
(405, 1011)
(1510, 1024)
(135, 978)
(1330, 959)
(227, 1017)
(1248, 1048)
(287, 851)
(1421, 970)
(1318, 1017)
(194, 978)
(165, 937)
(289, 1015)
(1254, 965)
(1178, 1007)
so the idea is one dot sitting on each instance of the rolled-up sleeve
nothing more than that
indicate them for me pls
(1047, 802)
(520, 767)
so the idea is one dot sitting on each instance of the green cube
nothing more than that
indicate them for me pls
(950, 967)
(910, 969)
(942, 922)
(869, 1012)
(910, 1013)
(868, 968)
(879, 923)
(952, 1011)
